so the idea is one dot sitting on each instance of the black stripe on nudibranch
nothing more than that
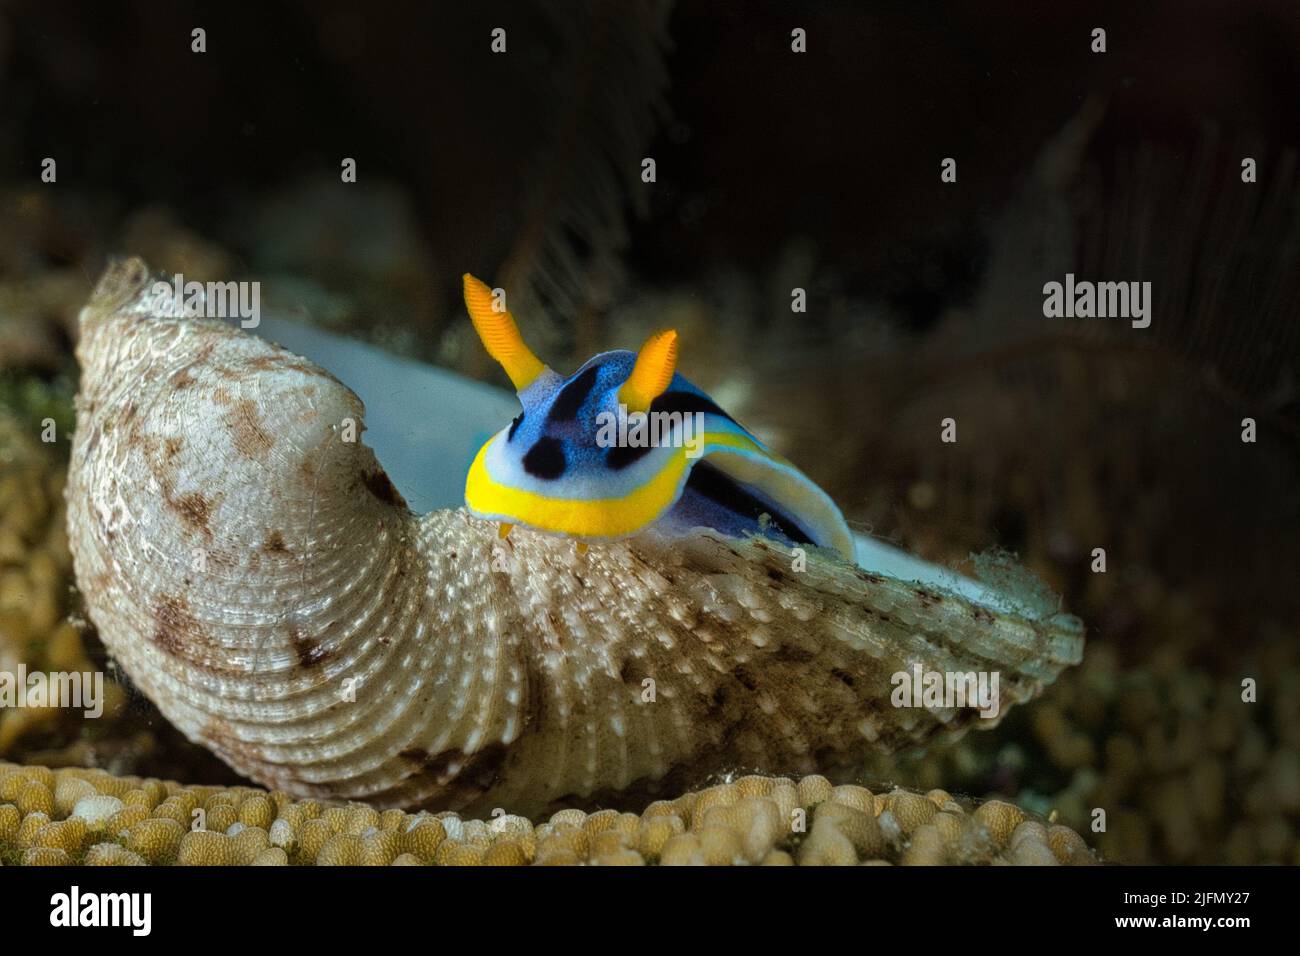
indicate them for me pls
(687, 402)
(566, 405)
(620, 456)
(514, 426)
(716, 485)
(545, 459)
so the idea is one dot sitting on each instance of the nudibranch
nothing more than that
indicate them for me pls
(627, 442)
(248, 563)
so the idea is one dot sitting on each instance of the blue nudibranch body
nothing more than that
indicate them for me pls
(625, 443)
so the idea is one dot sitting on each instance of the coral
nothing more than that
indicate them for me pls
(1185, 770)
(753, 820)
(35, 571)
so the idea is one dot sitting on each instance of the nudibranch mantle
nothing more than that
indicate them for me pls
(626, 442)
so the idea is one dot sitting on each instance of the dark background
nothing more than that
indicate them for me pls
(841, 144)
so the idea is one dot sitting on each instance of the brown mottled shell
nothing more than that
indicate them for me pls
(261, 580)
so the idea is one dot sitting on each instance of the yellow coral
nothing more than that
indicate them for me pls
(101, 820)
(206, 848)
(682, 850)
(910, 810)
(157, 839)
(506, 853)
(342, 849)
(827, 846)
(10, 818)
(257, 811)
(126, 818)
(111, 854)
(45, 856)
(813, 790)
(380, 847)
(68, 791)
(33, 797)
(312, 836)
(655, 832)
(423, 838)
(66, 835)
(1001, 819)
(860, 828)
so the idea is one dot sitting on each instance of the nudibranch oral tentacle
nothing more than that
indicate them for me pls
(627, 442)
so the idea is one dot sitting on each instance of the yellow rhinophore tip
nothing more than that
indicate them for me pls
(500, 335)
(654, 368)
